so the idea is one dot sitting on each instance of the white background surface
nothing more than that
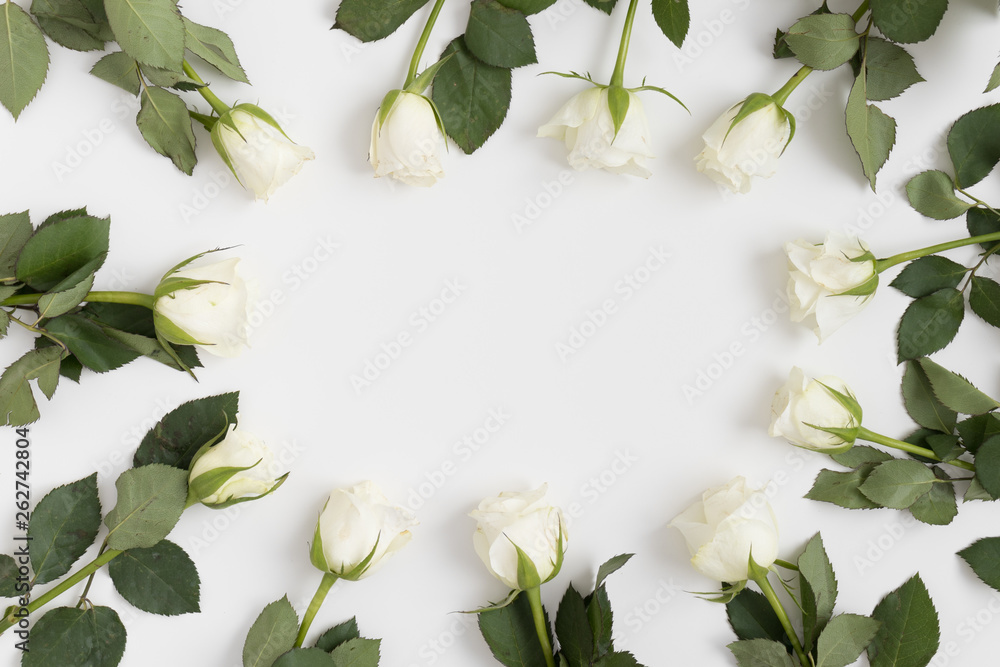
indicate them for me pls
(620, 398)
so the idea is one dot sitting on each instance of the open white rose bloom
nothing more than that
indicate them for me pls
(523, 519)
(407, 143)
(803, 404)
(586, 125)
(357, 531)
(258, 152)
(827, 285)
(214, 315)
(237, 450)
(731, 157)
(724, 526)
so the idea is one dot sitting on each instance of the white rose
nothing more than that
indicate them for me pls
(725, 526)
(257, 150)
(802, 405)
(357, 531)
(213, 485)
(405, 144)
(827, 285)
(213, 315)
(586, 125)
(528, 521)
(751, 148)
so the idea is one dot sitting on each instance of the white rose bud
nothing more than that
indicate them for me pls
(208, 306)
(357, 531)
(520, 526)
(586, 125)
(829, 283)
(406, 140)
(821, 415)
(257, 150)
(725, 527)
(237, 469)
(734, 154)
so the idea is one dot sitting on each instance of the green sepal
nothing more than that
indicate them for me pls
(362, 567)
(866, 288)
(848, 435)
(657, 89)
(260, 114)
(388, 102)
(849, 402)
(316, 555)
(496, 605)
(213, 440)
(187, 261)
(169, 349)
(236, 501)
(170, 332)
(527, 573)
(211, 481)
(726, 595)
(576, 75)
(618, 101)
(791, 126)
(170, 285)
(560, 555)
(424, 80)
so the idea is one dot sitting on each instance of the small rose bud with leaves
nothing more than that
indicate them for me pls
(208, 306)
(407, 136)
(587, 126)
(821, 415)
(829, 283)
(357, 531)
(725, 526)
(520, 538)
(746, 141)
(237, 469)
(257, 150)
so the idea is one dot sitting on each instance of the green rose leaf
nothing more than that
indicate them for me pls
(15, 230)
(119, 69)
(8, 577)
(510, 634)
(908, 22)
(618, 659)
(216, 48)
(977, 429)
(818, 584)
(944, 445)
(357, 653)
(890, 69)
(176, 438)
(165, 124)
(62, 300)
(370, 20)
(576, 641)
(601, 618)
(605, 6)
(61, 248)
(674, 19)
(151, 31)
(976, 492)
(955, 391)
(752, 617)
(89, 344)
(858, 455)
(983, 556)
(528, 7)
(17, 403)
(909, 635)
(63, 526)
(305, 657)
(932, 193)
(499, 36)
(824, 41)
(760, 653)
(974, 145)
(988, 466)
(65, 636)
(150, 501)
(609, 567)
(984, 299)
(160, 579)
(68, 22)
(980, 221)
(24, 58)
(472, 97)
(921, 403)
(845, 639)
(994, 79)
(871, 131)
(938, 506)
(898, 483)
(339, 634)
(843, 488)
(930, 323)
(922, 277)
(271, 635)
(165, 78)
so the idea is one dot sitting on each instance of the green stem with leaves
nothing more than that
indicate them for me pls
(878, 438)
(618, 76)
(541, 628)
(218, 105)
(103, 559)
(418, 53)
(129, 298)
(883, 264)
(758, 575)
(329, 579)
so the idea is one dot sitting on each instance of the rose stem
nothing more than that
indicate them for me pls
(418, 53)
(329, 579)
(759, 575)
(618, 76)
(883, 264)
(880, 439)
(538, 614)
(130, 298)
(218, 105)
